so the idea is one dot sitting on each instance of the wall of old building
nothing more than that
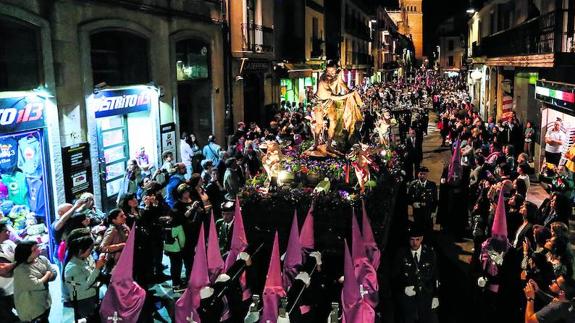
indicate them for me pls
(69, 25)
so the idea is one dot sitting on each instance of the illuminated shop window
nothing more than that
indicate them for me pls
(192, 60)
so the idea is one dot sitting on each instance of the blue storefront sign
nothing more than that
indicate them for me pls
(110, 102)
(21, 112)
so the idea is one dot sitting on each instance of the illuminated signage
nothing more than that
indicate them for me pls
(558, 94)
(110, 102)
(22, 112)
(555, 94)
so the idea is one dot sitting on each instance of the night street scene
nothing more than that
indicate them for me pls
(275, 161)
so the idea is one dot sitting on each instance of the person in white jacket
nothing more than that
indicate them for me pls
(186, 154)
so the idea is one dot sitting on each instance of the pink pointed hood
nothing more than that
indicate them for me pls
(293, 255)
(306, 235)
(499, 227)
(124, 298)
(188, 304)
(364, 271)
(350, 294)
(355, 309)
(215, 261)
(373, 252)
(357, 245)
(273, 289)
(239, 241)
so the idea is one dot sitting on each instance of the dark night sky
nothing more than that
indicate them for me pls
(434, 12)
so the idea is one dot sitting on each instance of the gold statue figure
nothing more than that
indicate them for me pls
(340, 105)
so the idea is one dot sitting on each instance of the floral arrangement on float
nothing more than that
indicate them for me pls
(289, 172)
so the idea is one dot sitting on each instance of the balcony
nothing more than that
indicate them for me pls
(257, 38)
(545, 34)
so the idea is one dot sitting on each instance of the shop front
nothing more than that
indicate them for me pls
(298, 83)
(25, 167)
(557, 102)
(126, 125)
(298, 89)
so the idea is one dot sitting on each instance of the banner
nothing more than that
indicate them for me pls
(22, 112)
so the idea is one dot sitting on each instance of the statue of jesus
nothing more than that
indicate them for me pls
(339, 104)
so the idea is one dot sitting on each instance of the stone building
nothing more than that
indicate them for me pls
(123, 76)
(523, 60)
(300, 42)
(409, 21)
(350, 26)
(451, 44)
(251, 26)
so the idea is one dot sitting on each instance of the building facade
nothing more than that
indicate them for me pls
(351, 25)
(409, 20)
(123, 78)
(300, 44)
(513, 46)
(254, 88)
(388, 47)
(451, 46)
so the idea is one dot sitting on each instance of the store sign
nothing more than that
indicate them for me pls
(561, 95)
(78, 170)
(256, 66)
(108, 103)
(20, 113)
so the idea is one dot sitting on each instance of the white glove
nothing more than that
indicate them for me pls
(283, 319)
(304, 277)
(252, 317)
(481, 282)
(317, 256)
(416, 205)
(206, 292)
(434, 303)
(222, 278)
(442, 181)
(243, 256)
(410, 291)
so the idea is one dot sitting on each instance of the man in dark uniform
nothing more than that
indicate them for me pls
(414, 149)
(422, 195)
(415, 275)
(224, 226)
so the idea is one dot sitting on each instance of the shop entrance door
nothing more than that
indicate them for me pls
(253, 98)
(113, 152)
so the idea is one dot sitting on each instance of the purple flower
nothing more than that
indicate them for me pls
(343, 194)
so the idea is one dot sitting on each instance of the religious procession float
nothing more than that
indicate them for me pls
(333, 173)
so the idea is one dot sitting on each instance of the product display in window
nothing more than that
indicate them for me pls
(22, 185)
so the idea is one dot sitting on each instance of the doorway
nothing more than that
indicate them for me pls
(253, 98)
(194, 88)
